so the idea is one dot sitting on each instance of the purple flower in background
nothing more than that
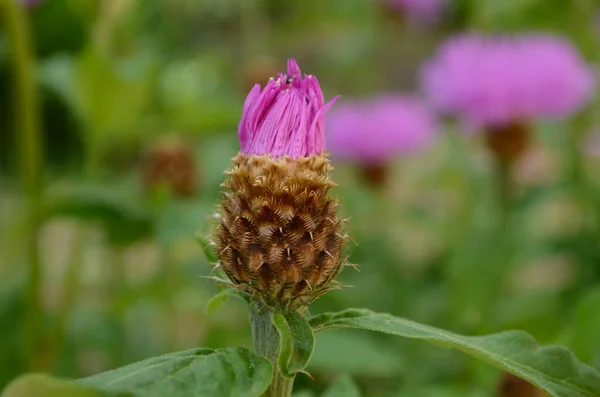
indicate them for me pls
(425, 10)
(286, 118)
(499, 80)
(375, 130)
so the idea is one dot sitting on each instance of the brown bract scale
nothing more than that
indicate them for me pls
(279, 237)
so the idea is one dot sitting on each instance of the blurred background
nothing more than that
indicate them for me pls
(118, 118)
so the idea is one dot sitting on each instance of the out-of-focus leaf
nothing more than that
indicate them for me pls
(585, 341)
(68, 36)
(552, 368)
(354, 353)
(194, 95)
(344, 386)
(40, 385)
(297, 342)
(208, 248)
(181, 220)
(231, 372)
(124, 219)
(12, 312)
(216, 301)
(108, 99)
(56, 73)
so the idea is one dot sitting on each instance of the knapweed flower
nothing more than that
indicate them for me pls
(501, 84)
(499, 80)
(279, 237)
(286, 118)
(375, 130)
(423, 10)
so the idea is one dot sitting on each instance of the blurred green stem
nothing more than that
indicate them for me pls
(503, 192)
(29, 148)
(500, 252)
(584, 194)
(118, 305)
(265, 338)
(69, 290)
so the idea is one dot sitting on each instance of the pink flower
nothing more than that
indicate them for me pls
(425, 10)
(375, 130)
(495, 80)
(286, 118)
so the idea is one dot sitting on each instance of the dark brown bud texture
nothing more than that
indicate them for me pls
(278, 236)
(508, 142)
(171, 164)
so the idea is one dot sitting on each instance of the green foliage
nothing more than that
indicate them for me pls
(217, 300)
(115, 75)
(39, 385)
(192, 373)
(553, 368)
(114, 206)
(355, 353)
(296, 342)
(208, 249)
(585, 340)
(342, 387)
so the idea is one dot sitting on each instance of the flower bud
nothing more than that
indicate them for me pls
(278, 235)
(508, 142)
(171, 164)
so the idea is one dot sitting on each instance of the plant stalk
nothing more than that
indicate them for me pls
(265, 338)
(29, 143)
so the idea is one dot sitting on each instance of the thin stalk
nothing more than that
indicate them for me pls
(117, 292)
(265, 338)
(29, 150)
(504, 192)
(500, 260)
(70, 288)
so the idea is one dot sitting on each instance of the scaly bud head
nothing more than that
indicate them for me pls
(279, 236)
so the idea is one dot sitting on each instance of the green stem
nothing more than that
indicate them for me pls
(70, 287)
(266, 344)
(503, 193)
(118, 292)
(500, 251)
(29, 147)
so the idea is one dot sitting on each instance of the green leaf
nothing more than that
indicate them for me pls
(218, 299)
(552, 368)
(585, 341)
(355, 353)
(297, 342)
(208, 248)
(102, 86)
(231, 372)
(40, 385)
(344, 386)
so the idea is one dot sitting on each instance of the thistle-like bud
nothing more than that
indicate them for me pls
(279, 236)
(170, 163)
(508, 142)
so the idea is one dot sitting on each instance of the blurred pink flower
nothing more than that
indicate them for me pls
(286, 118)
(425, 10)
(373, 131)
(496, 80)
